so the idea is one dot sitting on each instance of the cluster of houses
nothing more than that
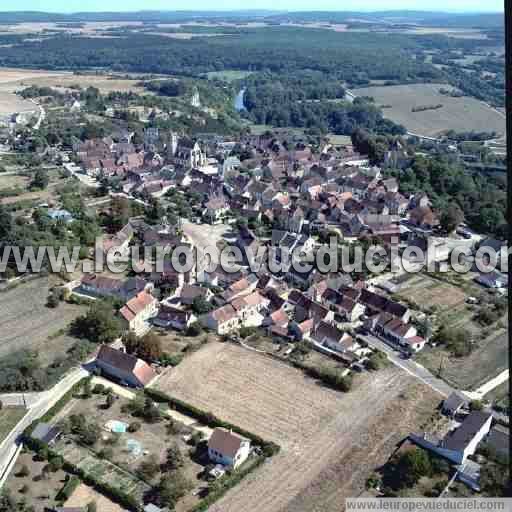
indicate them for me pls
(296, 193)
(469, 430)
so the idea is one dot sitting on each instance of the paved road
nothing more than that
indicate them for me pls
(47, 400)
(490, 385)
(27, 400)
(424, 375)
(409, 366)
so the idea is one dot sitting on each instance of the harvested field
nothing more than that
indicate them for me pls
(330, 441)
(28, 324)
(85, 495)
(104, 83)
(10, 80)
(459, 114)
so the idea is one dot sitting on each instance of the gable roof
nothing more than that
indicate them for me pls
(459, 439)
(126, 363)
(225, 442)
(45, 432)
(136, 305)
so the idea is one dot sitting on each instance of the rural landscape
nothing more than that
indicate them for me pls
(172, 183)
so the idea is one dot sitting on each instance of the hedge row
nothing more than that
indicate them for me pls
(52, 411)
(68, 489)
(209, 419)
(227, 483)
(115, 494)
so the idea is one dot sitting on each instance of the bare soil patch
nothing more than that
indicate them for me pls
(85, 495)
(330, 441)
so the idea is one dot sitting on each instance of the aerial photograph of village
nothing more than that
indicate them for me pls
(253, 257)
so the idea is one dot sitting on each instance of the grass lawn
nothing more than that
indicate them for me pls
(467, 373)
(339, 140)
(9, 417)
(229, 75)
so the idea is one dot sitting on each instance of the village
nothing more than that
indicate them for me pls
(132, 430)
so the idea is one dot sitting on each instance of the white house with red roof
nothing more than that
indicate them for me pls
(138, 310)
(227, 448)
(124, 367)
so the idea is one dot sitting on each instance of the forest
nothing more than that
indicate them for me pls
(482, 198)
(277, 49)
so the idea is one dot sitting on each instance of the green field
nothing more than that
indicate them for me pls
(229, 75)
(467, 373)
(9, 417)
(459, 114)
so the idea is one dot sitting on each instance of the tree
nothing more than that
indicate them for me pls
(86, 387)
(174, 459)
(98, 325)
(150, 347)
(56, 463)
(52, 301)
(171, 488)
(109, 400)
(149, 468)
(92, 507)
(476, 405)
(150, 411)
(451, 217)
(412, 465)
(200, 305)
(24, 471)
(6, 223)
(40, 180)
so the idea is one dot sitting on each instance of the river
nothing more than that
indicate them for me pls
(239, 100)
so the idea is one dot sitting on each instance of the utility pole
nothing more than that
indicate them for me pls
(440, 371)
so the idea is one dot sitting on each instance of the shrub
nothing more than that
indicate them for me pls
(98, 389)
(134, 426)
(68, 489)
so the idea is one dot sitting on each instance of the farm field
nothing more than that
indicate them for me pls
(323, 434)
(488, 360)
(10, 80)
(9, 417)
(456, 114)
(27, 324)
(228, 75)
(84, 495)
(66, 81)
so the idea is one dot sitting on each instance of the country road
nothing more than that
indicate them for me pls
(435, 383)
(47, 399)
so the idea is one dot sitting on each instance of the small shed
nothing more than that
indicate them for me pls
(453, 404)
(46, 433)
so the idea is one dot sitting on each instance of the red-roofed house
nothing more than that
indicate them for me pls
(124, 367)
(227, 448)
(137, 311)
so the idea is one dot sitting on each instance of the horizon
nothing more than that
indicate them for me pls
(363, 9)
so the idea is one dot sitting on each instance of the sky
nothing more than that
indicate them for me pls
(292, 5)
